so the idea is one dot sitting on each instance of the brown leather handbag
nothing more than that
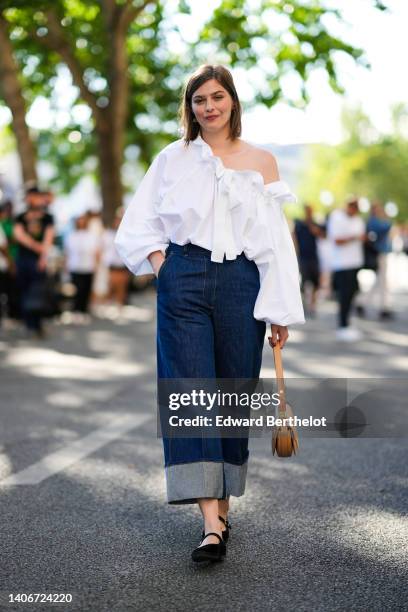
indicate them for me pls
(285, 439)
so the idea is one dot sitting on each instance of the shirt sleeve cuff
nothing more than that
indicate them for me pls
(139, 265)
(279, 300)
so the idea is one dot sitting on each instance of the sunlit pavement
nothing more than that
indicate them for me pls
(82, 489)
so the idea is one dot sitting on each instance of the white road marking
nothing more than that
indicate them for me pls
(67, 456)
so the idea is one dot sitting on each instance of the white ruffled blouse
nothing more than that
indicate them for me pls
(188, 195)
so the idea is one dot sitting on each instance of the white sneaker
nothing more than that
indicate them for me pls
(348, 334)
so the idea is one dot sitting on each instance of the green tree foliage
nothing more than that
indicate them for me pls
(367, 164)
(6, 140)
(274, 38)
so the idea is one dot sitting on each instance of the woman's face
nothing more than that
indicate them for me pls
(212, 106)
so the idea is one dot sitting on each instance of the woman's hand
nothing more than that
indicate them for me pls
(158, 269)
(156, 259)
(279, 334)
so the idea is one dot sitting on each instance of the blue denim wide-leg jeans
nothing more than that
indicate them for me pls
(206, 329)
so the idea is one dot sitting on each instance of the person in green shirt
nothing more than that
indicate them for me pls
(7, 223)
(10, 287)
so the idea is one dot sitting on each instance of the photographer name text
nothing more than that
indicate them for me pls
(260, 421)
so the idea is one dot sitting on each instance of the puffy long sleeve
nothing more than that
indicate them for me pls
(141, 231)
(269, 243)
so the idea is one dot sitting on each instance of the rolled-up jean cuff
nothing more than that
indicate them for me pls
(186, 482)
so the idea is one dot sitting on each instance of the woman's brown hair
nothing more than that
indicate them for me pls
(205, 73)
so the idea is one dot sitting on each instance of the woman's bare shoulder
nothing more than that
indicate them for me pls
(265, 162)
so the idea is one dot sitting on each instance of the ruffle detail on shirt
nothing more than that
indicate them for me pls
(276, 192)
(228, 178)
(254, 210)
(262, 233)
(279, 192)
(231, 186)
(236, 182)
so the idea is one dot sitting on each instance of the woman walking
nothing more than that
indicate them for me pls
(207, 220)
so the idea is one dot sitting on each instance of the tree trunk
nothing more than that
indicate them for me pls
(110, 166)
(13, 96)
(111, 123)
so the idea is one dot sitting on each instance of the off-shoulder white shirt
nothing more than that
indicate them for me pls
(188, 195)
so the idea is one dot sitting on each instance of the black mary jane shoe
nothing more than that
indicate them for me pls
(225, 532)
(209, 552)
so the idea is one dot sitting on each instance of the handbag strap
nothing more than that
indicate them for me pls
(280, 381)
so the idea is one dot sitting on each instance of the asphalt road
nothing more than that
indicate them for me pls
(82, 492)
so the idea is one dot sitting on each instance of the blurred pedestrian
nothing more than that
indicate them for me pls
(82, 249)
(4, 266)
(119, 275)
(306, 233)
(7, 223)
(378, 231)
(34, 233)
(324, 257)
(346, 231)
(100, 285)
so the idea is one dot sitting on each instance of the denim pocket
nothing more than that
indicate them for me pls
(164, 265)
